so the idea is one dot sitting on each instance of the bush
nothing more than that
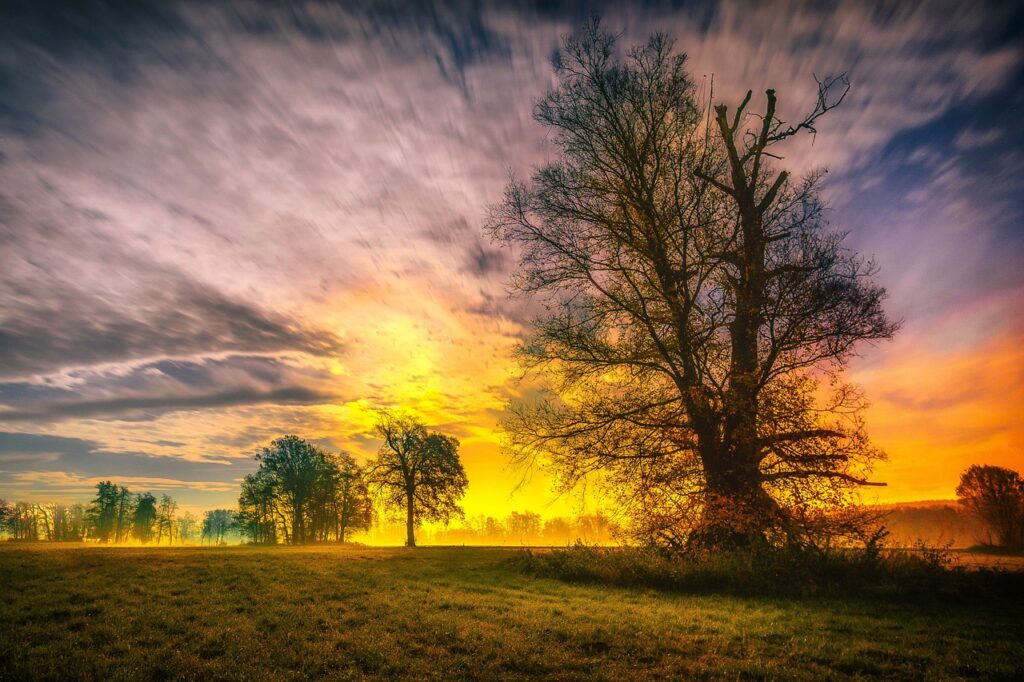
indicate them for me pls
(919, 573)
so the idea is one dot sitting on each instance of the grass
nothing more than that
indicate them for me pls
(450, 613)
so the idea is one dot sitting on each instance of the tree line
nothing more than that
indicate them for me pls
(299, 494)
(991, 511)
(115, 515)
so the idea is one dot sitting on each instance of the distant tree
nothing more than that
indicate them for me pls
(102, 513)
(125, 505)
(6, 515)
(524, 526)
(61, 522)
(23, 522)
(996, 496)
(70, 526)
(417, 471)
(217, 523)
(494, 530)
(558, 530)
(188, 526)
(165, 519)
(259, 510)
(303, 494)
(45, 518)
(594, 528)
(295, 469)
(351, 504)
(694, 298)
(144, 515)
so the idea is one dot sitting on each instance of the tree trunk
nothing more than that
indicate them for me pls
(410, 537)
(298, 530)
(737, 511)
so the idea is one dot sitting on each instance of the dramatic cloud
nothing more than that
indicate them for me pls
(148, 390)
(222, 222)
(68, 468)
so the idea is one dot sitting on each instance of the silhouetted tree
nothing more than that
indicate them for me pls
(351, 507)
(693, 296)
(307, 494)
(259, 509)
(102, 512)
(295, 469)
(417, 471)
(144, 515)
(6, 515)
(524, 526)
(165, 519)
(21, 521)
(996, 496)
(217, 523)
(125, 511)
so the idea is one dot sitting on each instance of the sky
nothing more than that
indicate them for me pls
(225, 222)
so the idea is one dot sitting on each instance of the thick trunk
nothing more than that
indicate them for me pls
(737, 509)
(737, 512)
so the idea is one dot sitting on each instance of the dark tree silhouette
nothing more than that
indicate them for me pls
(102, 513)
(303, 494)
(124, 505)
(166, 523)
(694, 300)
(8, 513)
(996, 496)
(217, 523)
(144, 516)
(418, 472)
(350, 505)
(259, 509)
(294, 468)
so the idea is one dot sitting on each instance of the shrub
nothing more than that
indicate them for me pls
(919, 573)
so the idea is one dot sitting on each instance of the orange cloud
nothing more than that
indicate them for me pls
(937, 411)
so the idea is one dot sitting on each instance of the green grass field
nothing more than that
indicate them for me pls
(444, 613)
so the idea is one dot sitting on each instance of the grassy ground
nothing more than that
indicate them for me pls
(444, 613)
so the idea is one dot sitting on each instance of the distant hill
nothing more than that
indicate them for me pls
(935, 522)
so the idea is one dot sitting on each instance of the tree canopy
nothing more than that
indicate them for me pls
(996, 496)
(417, 471)
(301, 494)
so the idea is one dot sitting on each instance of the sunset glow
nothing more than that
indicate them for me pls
(224, 226)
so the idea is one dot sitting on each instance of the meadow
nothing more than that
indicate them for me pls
(77, 612)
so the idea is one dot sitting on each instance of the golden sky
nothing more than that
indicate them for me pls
(220, 225)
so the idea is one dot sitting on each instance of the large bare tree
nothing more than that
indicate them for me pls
(695, 300)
